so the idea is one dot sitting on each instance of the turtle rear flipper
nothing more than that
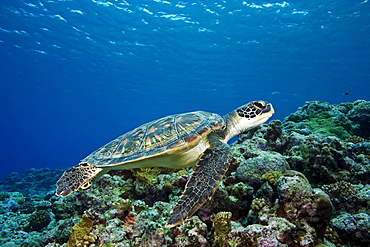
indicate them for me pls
(203, 181)
(76, 177)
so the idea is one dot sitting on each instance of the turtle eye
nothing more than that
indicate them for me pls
(86, 185)
(259, 104)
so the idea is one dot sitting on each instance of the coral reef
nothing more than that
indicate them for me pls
(274, 232)
(327, 159)
(300, 182)
(305, 207)
(359, 114)
(341, 120)
(355, 227)
(251, 170)
(41, 181)
(272, 177)
(258, 204)
(79, 231)
(146, 175)
(318, 117)
(38, 220)
(221, 225)
(192, 233)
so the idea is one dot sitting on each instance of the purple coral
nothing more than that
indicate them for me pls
(268, 241)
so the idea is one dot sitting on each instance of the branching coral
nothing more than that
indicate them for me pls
(355, 139)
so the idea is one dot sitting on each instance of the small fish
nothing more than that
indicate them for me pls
(346, 93)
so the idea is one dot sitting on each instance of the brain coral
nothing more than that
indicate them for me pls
(38, 220)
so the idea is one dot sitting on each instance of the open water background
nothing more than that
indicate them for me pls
(76, 74)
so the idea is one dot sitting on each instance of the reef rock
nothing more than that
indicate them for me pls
(251, 170)
(354, 228)
(360, 117)
(306, 207)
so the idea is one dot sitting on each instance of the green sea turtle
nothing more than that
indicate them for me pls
(177, 141)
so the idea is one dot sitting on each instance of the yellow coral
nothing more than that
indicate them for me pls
(82, 228)
(332, 236)
(146, 175)
(222, 226)
(272, 177)
(182, 172)
(258, 204)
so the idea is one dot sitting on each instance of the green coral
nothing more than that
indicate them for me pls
(355, 139)
(4, 195)
(32, 243)
(38, 220)
(305, 151)
(329, 125)
(320, 117)
(124, 188)
(146, 175)
(240, 190)
(121, 204)
(82, 228)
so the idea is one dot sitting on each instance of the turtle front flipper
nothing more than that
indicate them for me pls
(203, 181)
(79, 176)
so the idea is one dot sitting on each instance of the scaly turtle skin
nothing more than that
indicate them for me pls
(176, 141)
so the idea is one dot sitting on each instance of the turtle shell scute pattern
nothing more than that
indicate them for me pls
(176, 132)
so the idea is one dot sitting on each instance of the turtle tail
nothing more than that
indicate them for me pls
(80, 176)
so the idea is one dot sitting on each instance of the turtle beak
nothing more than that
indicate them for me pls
(269, 109)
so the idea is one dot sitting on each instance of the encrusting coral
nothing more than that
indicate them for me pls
(192, 233)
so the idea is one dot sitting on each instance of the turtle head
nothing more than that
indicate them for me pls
(247, 117)
(80, 176)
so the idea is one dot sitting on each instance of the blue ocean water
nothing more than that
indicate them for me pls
(76, 74)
